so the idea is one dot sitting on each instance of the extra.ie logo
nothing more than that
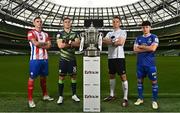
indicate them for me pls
(91, 72)
(91, 96)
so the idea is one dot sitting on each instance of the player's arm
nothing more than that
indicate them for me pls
(136, 47)
(62, 44)
(107, 41)
(150, 48)
(137, 50)
(75, 43)
(38, 44)
(48, 45)
(119, 41)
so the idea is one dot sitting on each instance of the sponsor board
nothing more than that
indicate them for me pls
(91, 84)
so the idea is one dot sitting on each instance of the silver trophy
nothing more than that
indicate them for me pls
(91, 39)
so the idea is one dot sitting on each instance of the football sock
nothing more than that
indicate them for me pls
(140, 90)
(61, 87)
(154, 91)
(73, 86)
(112, 86)
(125, 89)
(30, 89)
(43, 86)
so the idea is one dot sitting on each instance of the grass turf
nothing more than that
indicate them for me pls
(14, 75)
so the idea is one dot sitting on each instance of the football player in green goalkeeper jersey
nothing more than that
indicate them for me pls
(67, 41)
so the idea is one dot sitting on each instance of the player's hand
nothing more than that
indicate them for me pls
(63, 45)
(116, 42)
(42, 44)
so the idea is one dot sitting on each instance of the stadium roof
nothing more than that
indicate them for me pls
(93, 3)
(23, 12)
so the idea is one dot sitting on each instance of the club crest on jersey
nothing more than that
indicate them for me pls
(149, 41)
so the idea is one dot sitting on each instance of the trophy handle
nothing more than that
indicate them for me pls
(100, 41)
(82, 35)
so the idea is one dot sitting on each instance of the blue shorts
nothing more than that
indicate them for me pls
(38, 67)
(143, 71)
(67, 67)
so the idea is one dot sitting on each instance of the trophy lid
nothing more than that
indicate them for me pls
(92, 24)
(92, 28)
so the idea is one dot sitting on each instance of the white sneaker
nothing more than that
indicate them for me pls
(60, 100)
(75, 98)
(31, 104)
(138, 102)
(154, 105)
(48, 98)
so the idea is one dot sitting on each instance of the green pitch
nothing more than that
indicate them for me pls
(14, 76)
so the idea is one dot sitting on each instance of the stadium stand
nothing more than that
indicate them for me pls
(13, 36)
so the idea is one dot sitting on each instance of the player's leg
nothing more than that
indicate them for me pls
(155, 94)
(44, 89)
(62, 73)
(121, 69)
(72, 70)
(30, 93)
(43, 76)
(43, 85)
(140, 78)
(73, 87)
(60, 88)
(112, 80)
(125, 90)
(152, 74)
(34, 69)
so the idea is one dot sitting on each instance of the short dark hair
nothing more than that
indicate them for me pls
(146, 23)
(66, 18)
(116, 17)
(38, 17)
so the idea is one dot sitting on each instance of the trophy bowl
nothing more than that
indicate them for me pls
(91, 41)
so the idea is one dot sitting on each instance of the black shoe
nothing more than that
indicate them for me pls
(109, 98)
(124, 103)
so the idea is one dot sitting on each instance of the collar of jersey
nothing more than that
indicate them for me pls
(38, 31)
(116, 30)
(147, 35)
(67, 32)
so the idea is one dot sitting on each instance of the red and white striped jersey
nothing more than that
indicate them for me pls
(36, 52)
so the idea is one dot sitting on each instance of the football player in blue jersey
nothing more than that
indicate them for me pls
(145, 47)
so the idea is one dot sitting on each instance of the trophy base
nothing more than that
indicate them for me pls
(91, 53)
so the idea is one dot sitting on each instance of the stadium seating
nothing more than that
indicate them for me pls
(16, 37)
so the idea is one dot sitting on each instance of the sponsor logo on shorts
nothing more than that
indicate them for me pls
(154, 74)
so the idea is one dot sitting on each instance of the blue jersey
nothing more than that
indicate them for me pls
(146, 58)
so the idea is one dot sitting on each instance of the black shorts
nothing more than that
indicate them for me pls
(67, 67)
(117, 65)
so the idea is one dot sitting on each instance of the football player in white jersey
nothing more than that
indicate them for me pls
(116, 59)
